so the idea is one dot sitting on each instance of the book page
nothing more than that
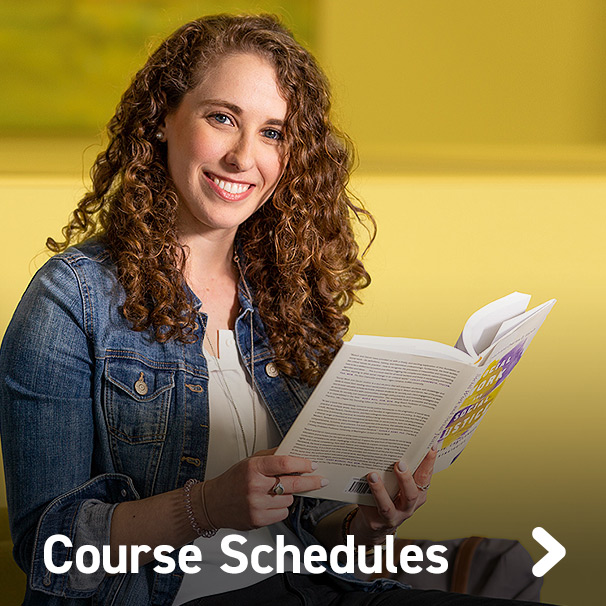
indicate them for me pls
(371, 409)
(419, 347)
(513, 323)
(480, 330)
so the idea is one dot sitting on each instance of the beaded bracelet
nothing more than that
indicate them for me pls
(207, 533)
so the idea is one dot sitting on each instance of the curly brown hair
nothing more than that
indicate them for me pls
(300, 253)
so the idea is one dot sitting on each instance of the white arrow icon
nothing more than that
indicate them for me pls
(555, 552)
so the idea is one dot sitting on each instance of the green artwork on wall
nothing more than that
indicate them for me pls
(65, 63)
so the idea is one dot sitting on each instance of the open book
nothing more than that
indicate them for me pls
(387, 398)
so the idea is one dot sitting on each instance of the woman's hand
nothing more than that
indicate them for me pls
(371, 524)
(242, 498)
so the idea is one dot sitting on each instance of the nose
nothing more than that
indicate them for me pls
(240, 154)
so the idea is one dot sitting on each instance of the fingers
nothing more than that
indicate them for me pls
(410, 497)
(272, 501)
(284, 465)
(409, 492)
(373, 523)
(294, 484)
(424, 472)
(243, 497)
(386, 508)
(288, 470)
(264, 514)
(265, 453)
(413, 487)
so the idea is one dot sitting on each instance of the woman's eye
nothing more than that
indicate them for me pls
(221, 118)
(272, 133)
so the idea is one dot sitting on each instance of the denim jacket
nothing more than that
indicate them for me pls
(93, 413)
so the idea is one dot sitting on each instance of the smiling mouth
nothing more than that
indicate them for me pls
(229, 190)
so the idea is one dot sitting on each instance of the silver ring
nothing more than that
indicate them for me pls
(423, 488)
(278, 487)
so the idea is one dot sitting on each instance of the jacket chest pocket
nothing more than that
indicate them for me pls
(137, 400)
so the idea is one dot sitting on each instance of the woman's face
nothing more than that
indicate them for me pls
(225, 144)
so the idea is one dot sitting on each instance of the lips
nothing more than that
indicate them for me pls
(228, 189)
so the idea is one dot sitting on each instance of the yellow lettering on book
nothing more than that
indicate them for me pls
(475, 405)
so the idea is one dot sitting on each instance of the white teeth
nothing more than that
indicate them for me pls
(232, 188)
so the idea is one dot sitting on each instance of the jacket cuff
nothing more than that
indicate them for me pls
(83, 515)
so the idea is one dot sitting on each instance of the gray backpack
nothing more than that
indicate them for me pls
(496, 568)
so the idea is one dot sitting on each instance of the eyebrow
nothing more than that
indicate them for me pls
(237, 109)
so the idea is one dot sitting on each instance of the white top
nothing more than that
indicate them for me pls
(228, 377)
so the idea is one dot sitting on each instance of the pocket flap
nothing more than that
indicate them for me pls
(139, 380)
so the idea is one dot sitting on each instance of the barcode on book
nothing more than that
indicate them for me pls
(359, 486)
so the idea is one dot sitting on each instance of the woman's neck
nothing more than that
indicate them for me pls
(209, 256)
(213, 276)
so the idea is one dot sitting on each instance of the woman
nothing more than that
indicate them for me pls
(149, 368)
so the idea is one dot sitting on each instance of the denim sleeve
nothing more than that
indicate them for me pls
(46, 422)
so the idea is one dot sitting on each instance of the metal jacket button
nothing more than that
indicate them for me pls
(141, 386)
(271, 370)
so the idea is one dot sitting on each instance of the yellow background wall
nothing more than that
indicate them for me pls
(481, 132)
(461, 72)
